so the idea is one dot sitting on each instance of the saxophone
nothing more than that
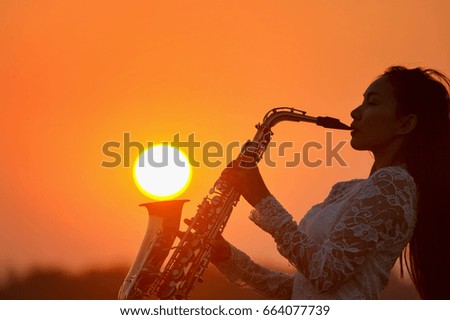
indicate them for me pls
(189, 258)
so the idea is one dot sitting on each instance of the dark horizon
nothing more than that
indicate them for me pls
(103, 284)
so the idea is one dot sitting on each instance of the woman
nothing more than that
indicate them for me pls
(345, 247)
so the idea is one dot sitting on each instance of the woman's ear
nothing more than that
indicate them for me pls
(407, 124)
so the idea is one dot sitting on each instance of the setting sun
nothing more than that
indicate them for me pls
(162, 172)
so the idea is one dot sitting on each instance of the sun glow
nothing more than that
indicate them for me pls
(162, 172)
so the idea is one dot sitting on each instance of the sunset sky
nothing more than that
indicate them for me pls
(75, 75)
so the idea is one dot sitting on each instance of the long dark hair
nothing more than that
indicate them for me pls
(426, 152)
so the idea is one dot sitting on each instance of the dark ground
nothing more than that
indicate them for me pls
(97, 284)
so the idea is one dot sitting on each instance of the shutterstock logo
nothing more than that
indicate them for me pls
(213, 154)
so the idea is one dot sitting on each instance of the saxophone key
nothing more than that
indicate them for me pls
(195, 242)
(181, 293)
(200, 279)
(216, 200)
(221, 186)
(167, 291)
(186, 256)
(176, 274)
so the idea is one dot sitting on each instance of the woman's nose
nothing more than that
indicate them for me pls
(356, 113)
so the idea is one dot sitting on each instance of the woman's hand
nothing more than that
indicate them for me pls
(247, 181)
(221, 250)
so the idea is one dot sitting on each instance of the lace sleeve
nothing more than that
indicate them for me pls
(241, 270)
(381, 214)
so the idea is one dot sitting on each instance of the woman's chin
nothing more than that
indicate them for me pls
(357, 146)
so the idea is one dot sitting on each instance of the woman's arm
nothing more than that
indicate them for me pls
(381, 214)
(241, 270)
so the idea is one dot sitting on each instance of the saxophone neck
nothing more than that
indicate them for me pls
(277, 115)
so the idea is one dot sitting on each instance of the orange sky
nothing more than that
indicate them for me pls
(76, 74)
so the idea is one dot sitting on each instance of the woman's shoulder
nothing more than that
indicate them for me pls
(392, 177)
(395, 175)
(389, 179)
(340, 188)
(392, 189)
(394, 185)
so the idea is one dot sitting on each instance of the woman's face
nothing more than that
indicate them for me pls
(375, 124)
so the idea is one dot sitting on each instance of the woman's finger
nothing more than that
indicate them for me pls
(230, 179)
(221, 250)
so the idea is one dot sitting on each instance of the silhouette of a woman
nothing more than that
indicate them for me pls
(345, 247)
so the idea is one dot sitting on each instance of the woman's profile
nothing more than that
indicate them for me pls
(345, 247)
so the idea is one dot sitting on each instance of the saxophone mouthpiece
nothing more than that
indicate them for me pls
(332, 123)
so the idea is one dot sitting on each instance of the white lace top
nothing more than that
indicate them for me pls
(343, 248)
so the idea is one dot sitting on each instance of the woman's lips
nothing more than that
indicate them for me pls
(354, 131)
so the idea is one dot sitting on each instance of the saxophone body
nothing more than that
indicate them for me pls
(163, 270)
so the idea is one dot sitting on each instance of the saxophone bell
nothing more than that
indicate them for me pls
(162, 228)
